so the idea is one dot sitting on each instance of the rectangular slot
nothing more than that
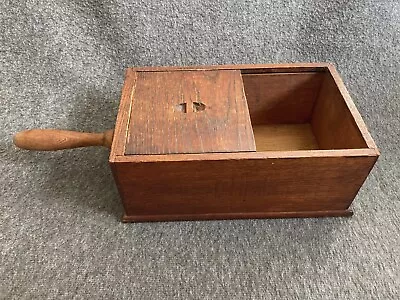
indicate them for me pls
(299, 111)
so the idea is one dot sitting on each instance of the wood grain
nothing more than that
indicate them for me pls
(352, 108)
(54, 139)
(332, 121)
(279, 154)
(284, 137)
(240, 186)
(281, 98)
(290, 176)
(189, 112)
(246, 68)
(122, 122)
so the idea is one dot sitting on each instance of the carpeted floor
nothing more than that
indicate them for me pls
(62, 65)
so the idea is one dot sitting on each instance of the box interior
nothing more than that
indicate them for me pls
(299, 111)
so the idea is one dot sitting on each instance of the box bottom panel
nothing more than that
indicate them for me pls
(228, 216)
(284, 137)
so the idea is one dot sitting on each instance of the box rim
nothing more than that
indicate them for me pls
(365, 152)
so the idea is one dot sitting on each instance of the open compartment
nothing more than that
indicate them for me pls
(299, 111)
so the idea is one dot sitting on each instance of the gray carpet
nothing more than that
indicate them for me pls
(62, 66)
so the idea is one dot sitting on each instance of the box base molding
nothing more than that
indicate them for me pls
(228, 216)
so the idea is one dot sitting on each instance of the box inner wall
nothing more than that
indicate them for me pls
(299, 111)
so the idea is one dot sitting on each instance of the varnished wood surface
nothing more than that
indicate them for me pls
(352, 108)
(284, 137)
(189, 112)
(281, 98)
(246, 68)
(54, 139)
(280, 154)
(278, 182)
(333, 123)
(225, 216)
(121, 124)
(241, 186)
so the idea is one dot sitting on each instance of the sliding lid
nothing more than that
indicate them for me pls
(189, 112)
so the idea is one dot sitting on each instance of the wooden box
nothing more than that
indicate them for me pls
(248, 141)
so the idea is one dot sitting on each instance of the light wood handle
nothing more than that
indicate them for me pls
(53, 139)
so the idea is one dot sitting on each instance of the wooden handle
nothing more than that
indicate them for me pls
(52, 139)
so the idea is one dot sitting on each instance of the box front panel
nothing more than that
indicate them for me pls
(240, 186)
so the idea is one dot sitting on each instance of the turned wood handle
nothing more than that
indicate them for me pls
(53, 139)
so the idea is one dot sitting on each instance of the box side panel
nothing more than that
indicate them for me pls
(333, 120)
(247, 186)
(281, 98)
(118, 182)
(353, 109)
(122, 122)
